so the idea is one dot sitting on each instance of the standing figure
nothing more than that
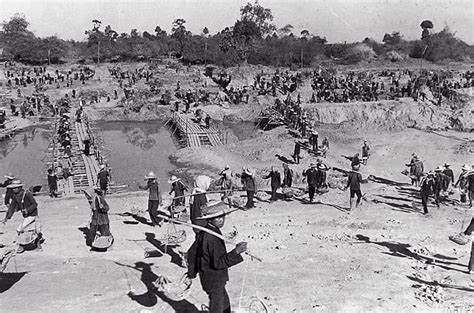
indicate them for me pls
(312, 180)
(275, 182)
(287, 176)
(198, 199)
(103, 179)
(353, 182)
(178, 187)
(313, 140)
(427, 187)
(249, 185)
(99, 221)
(226, 182)
(154, 198)
(296, 153)
(365, 152)
(52, 183)
(209, 258)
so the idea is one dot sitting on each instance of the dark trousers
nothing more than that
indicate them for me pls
(219, 301)
(424, 202)
(274, 193)
(153, 211)
(104, 230)
(53, 191)
(296, 158)
(311, 190)
(470, 228)
(250, 203)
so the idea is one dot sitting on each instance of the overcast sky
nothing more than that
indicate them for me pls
(337, 20)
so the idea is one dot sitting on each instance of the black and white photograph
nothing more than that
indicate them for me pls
(236, 156)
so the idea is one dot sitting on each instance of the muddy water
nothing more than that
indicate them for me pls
(23, 155)
(135, 148)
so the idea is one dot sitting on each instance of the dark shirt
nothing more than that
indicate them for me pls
(354, 180)
(154, 190)
(103, 177)
(25, 202)
(275, 178)
(213, 260)
(52, 180)
(178, 188)
(311, 176)
(365, 150)
(470, 181)
(449, 172)
(248, 182)
(195, 211)
(355, 161)
(99, 207)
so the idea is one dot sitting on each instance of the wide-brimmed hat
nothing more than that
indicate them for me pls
(173, 179)
(214, 209)
(15, 184)
(227, 167)
(466, 167)
(439, 169)
(447, 165)
(150, 175)
(10, 176)
(248, 171)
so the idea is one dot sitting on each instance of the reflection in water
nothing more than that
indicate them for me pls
(23, 155)
(138, 138)
(137, 148)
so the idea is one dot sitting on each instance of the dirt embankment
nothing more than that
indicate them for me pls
(389, 115)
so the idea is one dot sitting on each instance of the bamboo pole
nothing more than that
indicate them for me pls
(227, 241)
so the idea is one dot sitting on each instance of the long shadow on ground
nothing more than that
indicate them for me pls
(435, 283)
(401, 250)
(149, 298)
(138, 218)
(165, 249)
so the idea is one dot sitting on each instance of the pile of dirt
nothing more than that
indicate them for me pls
(386, 115)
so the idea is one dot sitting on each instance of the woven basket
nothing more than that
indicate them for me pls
(175, 291)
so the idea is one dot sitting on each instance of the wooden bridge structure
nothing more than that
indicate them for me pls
(192, 133)
(84, 168)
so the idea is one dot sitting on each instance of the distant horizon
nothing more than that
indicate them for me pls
(336, 20)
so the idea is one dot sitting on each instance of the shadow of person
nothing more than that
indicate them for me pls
(401, 250)
(150, 297)
(137, 218)
(436, 283)
(284, 159)
(165, 249)
(7, 280)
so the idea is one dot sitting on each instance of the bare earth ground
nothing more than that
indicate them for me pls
(384, 257)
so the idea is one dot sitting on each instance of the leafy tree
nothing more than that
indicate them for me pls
(285, 30)
(393, 39)
(260, 16)
(179, 33)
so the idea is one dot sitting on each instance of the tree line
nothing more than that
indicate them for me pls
(253, 38)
